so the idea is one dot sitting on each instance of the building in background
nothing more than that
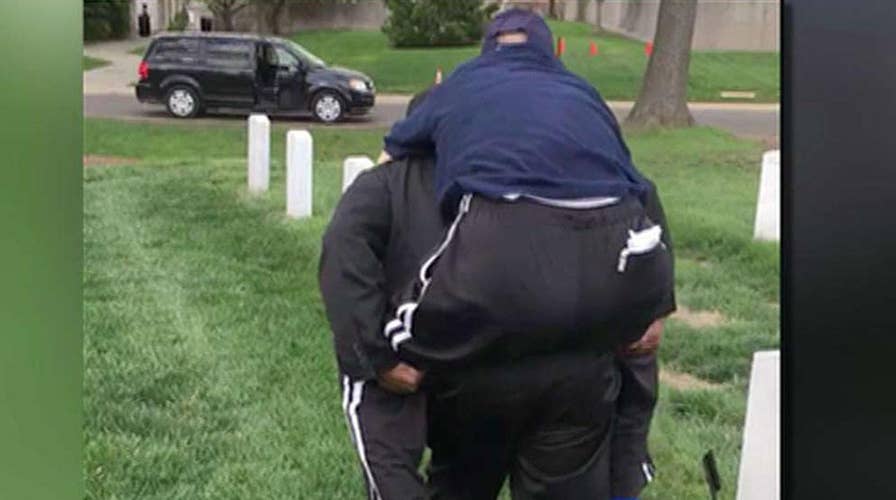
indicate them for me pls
(363, 14)
(199, 17)
(162, 13)
(749, 25)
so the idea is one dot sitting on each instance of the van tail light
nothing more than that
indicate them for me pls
(143, 70)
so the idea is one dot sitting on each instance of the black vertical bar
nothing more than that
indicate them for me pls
(840, 285)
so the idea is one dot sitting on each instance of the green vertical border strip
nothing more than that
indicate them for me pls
(40, 250)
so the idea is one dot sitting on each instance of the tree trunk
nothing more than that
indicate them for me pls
(226, 20)
(552, 9)
(274, 14)
(664, 93)
(581, 11)
(226, 11)
(599, 17)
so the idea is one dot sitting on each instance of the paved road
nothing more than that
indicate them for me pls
(126, 107)
(755, 121)
(108, 93)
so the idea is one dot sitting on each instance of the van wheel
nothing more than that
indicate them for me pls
(328, 107)
(183, 102)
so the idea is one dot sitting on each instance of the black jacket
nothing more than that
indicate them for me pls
(382, 228)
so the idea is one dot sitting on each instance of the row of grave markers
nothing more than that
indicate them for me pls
(300, 154)
(299, 163)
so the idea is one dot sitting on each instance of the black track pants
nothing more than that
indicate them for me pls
(632, 468)
(389, 434)
(516, 278)
(545, 422)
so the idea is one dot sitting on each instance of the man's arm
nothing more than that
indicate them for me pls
(413, 134)
(605, 108)
(415, 103)
(654, 209)
(352, 278)
(631, 465)
(650, 341)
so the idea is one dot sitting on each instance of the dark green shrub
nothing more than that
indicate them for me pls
(429, 23)
(106, 19)
(491, 9)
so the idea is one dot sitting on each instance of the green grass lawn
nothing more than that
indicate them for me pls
(616, 72)
(209, 368)
(89, 63)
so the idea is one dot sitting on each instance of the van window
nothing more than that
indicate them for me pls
(175, 50)
(229, 53)
(286, 58)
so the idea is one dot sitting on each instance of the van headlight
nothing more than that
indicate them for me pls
(357, 85)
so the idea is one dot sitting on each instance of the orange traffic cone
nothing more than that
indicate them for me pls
(561, 46)
(648, 49)
(438, 78)
(592, 49)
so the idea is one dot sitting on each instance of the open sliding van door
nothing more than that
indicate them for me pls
(266, 67)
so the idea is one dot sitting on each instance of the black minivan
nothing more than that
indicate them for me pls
(192, 72)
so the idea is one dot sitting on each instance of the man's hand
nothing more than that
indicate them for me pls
(648, 343)
(384, 157)
(401, 379)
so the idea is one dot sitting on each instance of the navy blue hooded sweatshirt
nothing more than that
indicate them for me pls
(514, 120)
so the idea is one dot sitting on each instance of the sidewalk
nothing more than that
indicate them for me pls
(403, 99)
(120, 74)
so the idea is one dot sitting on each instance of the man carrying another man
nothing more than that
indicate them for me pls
(549, 246)
(383, 225)
(504, 396)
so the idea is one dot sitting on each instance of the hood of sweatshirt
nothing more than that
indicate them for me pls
(540, 38)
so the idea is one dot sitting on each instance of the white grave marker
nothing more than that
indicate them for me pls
(299, 153)
(760, 474)
(351, 167)
(768, 208)
(259, 153)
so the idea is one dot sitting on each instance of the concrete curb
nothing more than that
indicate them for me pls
(405, 98)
